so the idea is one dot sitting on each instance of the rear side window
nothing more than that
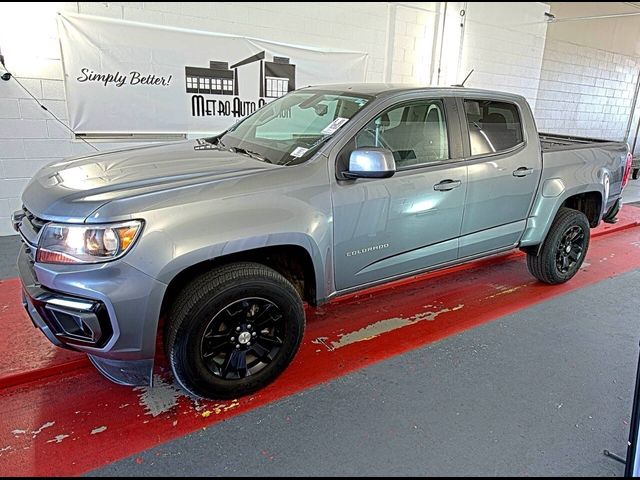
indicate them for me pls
(493, 126)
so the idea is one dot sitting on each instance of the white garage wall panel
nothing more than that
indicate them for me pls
(413, 30)
(504, 44)
(585, 91)
(29, 138)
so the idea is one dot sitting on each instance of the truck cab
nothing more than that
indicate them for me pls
(467, 170)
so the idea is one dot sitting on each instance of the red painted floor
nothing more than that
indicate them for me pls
(67, 424)
(27, 354)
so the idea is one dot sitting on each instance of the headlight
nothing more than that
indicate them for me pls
(64, 243)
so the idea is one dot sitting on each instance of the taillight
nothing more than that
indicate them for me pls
(627, 170)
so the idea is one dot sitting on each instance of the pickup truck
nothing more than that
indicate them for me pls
(211, 247)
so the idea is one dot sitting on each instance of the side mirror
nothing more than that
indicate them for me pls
(371, 162)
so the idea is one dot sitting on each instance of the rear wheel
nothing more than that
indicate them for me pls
(233, 330)
(563, 250)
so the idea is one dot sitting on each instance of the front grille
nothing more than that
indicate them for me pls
(36, 223)
(29, 227)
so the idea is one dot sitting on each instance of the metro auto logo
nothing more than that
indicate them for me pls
(271, 80)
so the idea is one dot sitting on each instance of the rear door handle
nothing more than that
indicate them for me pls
(522, 172)
(446, 185)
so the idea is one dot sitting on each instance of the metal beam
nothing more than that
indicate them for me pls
(390, 41)
(594, 17)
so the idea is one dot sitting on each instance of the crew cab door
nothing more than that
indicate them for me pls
(388, 227)
(504, 169)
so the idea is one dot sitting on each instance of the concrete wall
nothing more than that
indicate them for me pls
(585, 91)
(413, 30)
(504, 43)
(618, 34)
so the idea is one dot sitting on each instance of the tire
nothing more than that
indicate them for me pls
(233, 330)
(548, 266)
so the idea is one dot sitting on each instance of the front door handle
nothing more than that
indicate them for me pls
(522, 172)
(446, 185)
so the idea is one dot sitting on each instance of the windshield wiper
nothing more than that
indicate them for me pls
(218, 141)
(251, 154)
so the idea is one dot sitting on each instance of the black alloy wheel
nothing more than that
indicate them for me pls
(242, 338)
(570, 249)
(233, 330)
(565, 247)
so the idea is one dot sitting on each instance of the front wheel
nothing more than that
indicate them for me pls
(233, 330)
(563, 250)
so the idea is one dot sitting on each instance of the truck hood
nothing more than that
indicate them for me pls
(72, 189)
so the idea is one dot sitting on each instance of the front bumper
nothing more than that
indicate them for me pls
(65, 320)
(109, 311)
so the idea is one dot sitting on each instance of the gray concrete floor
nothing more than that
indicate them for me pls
(632, 192)
(540, 392)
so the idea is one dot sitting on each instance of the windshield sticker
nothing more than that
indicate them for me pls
(335, 125)
(299, 151)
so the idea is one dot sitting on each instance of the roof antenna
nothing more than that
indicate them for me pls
(465, 79)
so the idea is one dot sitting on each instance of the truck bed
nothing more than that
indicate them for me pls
(552, 142)
(568, 157)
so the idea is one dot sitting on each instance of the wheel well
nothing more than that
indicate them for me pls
(291, 261)
(589, 203)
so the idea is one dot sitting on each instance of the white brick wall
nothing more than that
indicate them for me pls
(504, 43)
(29, 138)
(414, 31)
(584, 91)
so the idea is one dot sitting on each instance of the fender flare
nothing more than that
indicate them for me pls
(212, 252)
(546, 209)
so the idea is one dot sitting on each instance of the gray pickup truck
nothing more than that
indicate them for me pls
(213, 245)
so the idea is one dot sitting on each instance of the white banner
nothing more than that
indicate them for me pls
(127, 77)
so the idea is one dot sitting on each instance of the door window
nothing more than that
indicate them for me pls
(493, 126)
(416, 134)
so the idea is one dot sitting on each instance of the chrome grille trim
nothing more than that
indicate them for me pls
(28, 227)
(37, 223)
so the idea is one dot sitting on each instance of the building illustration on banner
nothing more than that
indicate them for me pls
(217, 79)
(275, 78)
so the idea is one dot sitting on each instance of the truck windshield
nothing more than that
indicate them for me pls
(290, 129)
